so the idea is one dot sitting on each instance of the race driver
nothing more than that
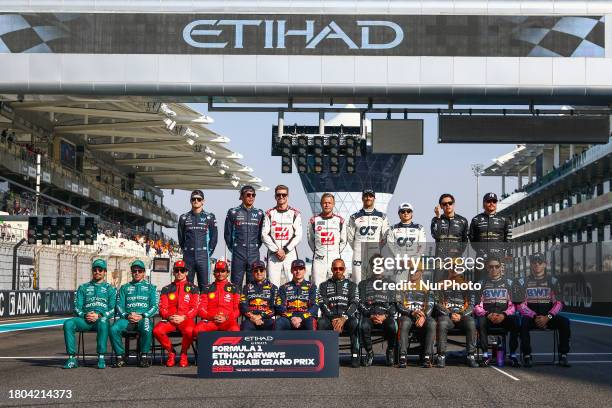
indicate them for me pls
(454, 310)
(406, 238)
(415, 308)
(136, 305)
(197, 236)
(281, 233)
(377, 308)
(540, 308)
(339, 301)
(326, 237)
(449, 230)
(178, 305)
(242, 233)
(489, 231)
(366, 233)
(219, 303)
(296, 303)
(494, 308)
(94, 304)
(257, 300)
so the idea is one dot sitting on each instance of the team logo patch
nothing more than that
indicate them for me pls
(305, 287)
(211, 295)
(172, 296)
(229, 289)
(188, 289)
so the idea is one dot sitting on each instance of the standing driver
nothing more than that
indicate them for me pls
(243, 226)
(197, 236)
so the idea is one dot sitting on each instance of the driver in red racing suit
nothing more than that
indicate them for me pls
(178, 305)
(219, 303)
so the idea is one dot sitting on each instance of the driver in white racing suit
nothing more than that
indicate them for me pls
(366, 233)
(326, 237)
(281, 233)
(406, 237)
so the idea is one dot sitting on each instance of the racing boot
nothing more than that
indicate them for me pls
(72, 362)
(144, 361)
(183, 361)
(367, 359)
(441, 363)
(390, 356)
(354, 361)
(402, 361)
(514, 361)
(563, 361)
(485, 361)
(171, 361)
(426, 362)
(101, 362)
(119, 362)
(471, 361)
(527, 361)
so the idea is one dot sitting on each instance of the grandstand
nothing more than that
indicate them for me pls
(565, 210)
(111, 159)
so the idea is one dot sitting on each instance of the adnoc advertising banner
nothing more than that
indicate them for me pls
(36, 302)
(278, 34)
(268, 354)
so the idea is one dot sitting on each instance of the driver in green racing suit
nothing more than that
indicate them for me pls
(136, 305)
(94, 304)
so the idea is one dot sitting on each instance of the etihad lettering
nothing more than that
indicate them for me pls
(206, 33)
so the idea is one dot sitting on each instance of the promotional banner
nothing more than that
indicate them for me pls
(268, 354)
(36, 302)
(295, 34)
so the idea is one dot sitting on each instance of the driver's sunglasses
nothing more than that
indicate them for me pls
(446, 203)
(179, 270)
(281, 195)
(259, 270)
(491, 201)
(250, 194)
(137, 270)
(97, 269)
(368, 195)
(338, 269)
(198, 199)
(405, 211)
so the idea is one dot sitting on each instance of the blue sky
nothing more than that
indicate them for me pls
(442, 168)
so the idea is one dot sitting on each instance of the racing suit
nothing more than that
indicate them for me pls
(218, 298)
(296, 300)
(243, 237)
(340, 298)
(410, 301)
(258, 298)
(380, 302)
(460, 302)
(451, 236)
(135, 297)
(366, 233)
(91, 297)
(488, 233)
(327, 239)
(491, 231)
(197, 236)
(496, 297)
(178, 298)
(539, 298)
(282, 229)
(406, 240)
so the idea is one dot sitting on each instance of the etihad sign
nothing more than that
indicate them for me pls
(361, 34)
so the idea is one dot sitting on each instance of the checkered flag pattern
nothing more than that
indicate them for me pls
(29, 33)
(562, 37)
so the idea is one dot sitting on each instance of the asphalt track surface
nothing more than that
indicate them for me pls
(32, 360)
